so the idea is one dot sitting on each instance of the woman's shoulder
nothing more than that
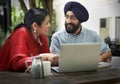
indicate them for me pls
(22, 29)
(20, 32)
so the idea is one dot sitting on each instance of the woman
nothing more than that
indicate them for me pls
(28, 39)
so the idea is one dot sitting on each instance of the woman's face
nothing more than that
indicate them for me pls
(43, 29)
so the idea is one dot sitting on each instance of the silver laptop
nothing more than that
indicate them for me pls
(78, 57)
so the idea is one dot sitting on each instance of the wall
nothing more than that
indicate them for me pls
(97, 9)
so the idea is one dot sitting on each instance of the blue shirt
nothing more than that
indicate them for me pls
(85, 36)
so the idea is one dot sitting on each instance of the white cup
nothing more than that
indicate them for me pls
(47, 68)
(115, 62)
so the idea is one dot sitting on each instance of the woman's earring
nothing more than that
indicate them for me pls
(34, 31)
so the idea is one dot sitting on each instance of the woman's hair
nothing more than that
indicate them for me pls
(33, 15)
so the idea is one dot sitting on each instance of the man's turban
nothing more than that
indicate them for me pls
(78, 10)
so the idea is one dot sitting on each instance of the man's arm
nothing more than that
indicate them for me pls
(105, 56)
(55, 45)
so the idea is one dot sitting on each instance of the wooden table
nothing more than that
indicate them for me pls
(101, 76)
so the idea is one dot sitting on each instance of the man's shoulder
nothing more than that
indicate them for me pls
(89, 30)
(61, 32)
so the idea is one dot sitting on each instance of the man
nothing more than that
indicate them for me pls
(75, 15)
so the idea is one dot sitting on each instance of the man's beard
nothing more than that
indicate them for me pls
(71, 28)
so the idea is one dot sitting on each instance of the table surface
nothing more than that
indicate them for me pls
(101, 76)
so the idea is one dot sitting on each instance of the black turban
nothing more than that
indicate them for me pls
(78, 10)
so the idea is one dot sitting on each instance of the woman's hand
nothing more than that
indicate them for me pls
(53, 58)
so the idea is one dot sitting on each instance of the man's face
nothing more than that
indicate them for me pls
(71, 22)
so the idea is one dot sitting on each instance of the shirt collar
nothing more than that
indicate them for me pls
(75, 34)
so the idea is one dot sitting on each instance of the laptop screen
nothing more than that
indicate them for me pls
(79, 57)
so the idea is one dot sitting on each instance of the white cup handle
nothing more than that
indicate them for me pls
(26, 63)
(27, 67)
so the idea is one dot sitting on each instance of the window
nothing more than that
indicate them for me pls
(118, 1)
(103, 23)
(5, 14)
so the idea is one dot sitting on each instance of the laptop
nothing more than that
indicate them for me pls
(78, 57)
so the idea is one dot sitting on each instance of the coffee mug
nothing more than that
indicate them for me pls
(47, 68)
(115, 62)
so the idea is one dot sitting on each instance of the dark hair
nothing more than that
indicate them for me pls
(33, 15)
